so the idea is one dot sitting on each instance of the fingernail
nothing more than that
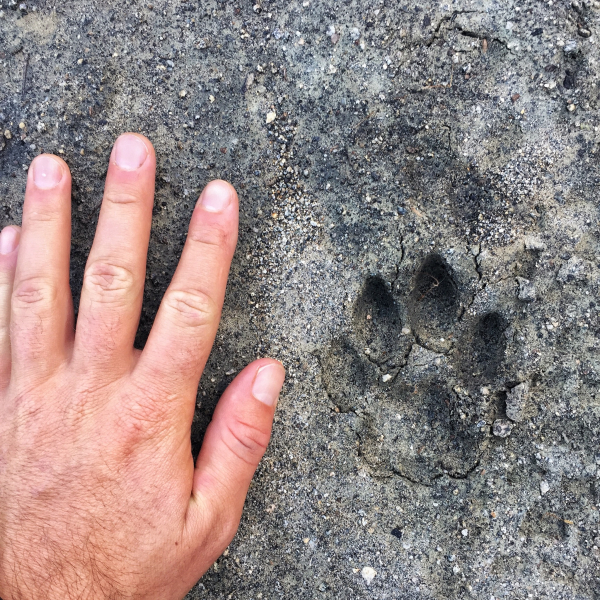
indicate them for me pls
(268, 383)
(216, 196)
(47, 171)
(130, 152)
(9, 240)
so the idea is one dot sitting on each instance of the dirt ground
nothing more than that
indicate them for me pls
(418, 244)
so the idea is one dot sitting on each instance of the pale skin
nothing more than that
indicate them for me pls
(99, 494)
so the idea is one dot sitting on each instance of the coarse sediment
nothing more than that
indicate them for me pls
(418, 238)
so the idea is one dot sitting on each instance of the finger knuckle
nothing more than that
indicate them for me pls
(222, 520)
(229, 527)
(121, 195)
(36, 292)
(45, 210)
(247, 441)
(108, 282)
(218, 235)
(192, 308)
(143, 418)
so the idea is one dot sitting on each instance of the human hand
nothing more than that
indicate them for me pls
(99, 497)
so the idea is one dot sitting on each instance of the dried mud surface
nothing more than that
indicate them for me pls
(418, 244)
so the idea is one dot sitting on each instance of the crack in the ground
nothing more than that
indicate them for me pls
(483, 285)
(404, 361)
(399, 263)
(478, 264)
(480, 36)
(465, 32)
(444, 19)
(461, 476)
(397, 473)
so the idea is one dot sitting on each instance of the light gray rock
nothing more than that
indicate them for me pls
(526, 290)
(534, 243)
(516, 402)
(502, 428)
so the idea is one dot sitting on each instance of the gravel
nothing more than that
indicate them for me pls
(435, 167)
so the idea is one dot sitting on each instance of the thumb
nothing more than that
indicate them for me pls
(236, 440)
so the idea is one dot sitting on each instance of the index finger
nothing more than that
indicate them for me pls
(187, 320)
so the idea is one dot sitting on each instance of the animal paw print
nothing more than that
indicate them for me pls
(412, 369)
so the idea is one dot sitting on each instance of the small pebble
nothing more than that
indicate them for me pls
(526, 291)
(386, 378)
(502, 428)
(271, 116)
(368, 574)
(534, 243)
(544, 487)
(515, 402)
(7, 134)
